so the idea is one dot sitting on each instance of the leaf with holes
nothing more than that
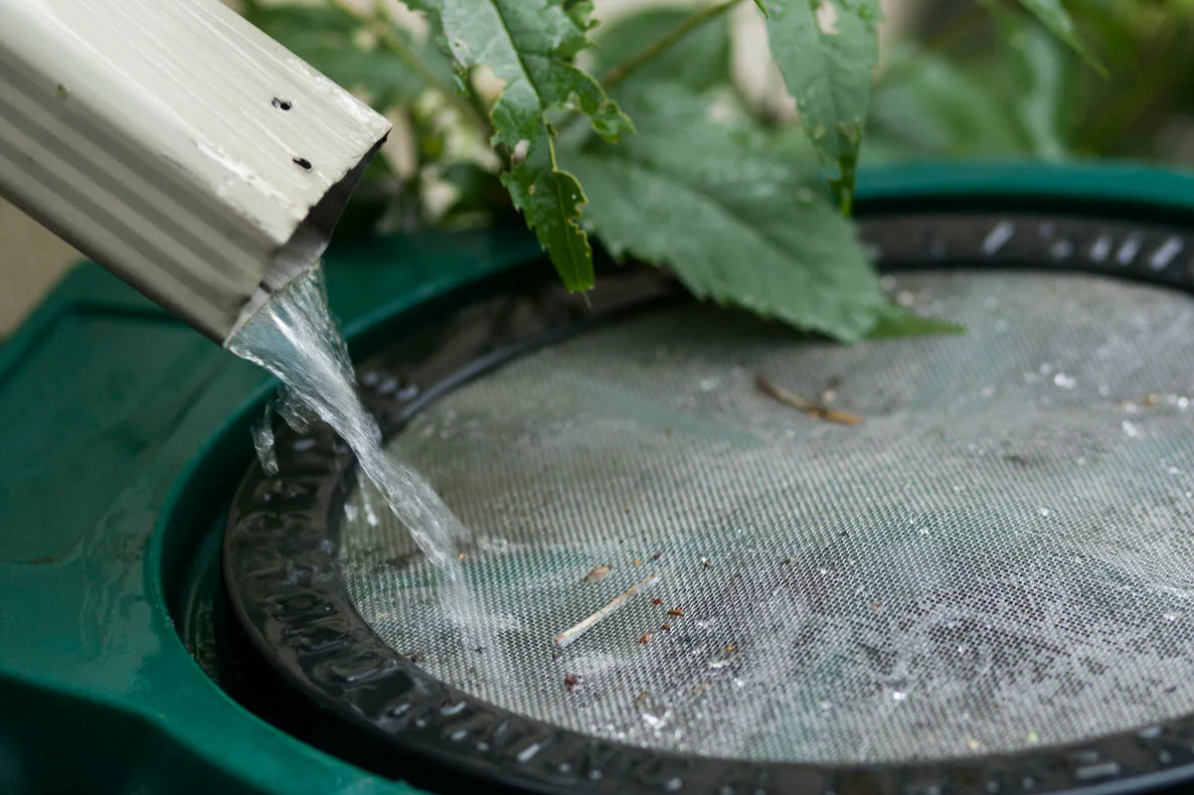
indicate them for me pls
(530, 45)
(737, 218)
(826, 54)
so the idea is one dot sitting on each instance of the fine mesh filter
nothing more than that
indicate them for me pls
(1001, 556)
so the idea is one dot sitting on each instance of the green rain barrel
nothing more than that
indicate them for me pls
(969, 569)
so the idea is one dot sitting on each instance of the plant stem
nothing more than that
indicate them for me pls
(383, 27)
(664, 43)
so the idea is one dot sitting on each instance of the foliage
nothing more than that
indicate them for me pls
(826, 54)
(639, 132)
(737, 223)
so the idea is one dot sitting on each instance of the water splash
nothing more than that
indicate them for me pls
(294, 337)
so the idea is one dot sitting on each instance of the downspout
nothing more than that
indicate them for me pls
(178, 146)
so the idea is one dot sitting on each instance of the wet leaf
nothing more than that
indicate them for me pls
(530, 45)
(826, 53)
(737, 218)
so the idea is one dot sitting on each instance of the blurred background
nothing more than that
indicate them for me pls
(957, 79)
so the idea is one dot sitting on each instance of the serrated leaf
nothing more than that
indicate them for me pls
(700, 60)
(529, 45)
(826, 53)
(736, 218)
(1053, 16)
(326, 37)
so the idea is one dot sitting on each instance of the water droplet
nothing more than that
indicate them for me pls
(1171, 617)
(1043, 511)
(709, 384)
(898, 696)
(1130, 430)
(673, 785)
(1064, 381)
(825, 706)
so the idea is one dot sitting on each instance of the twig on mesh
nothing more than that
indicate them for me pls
(814, 410)
(569, 635)
(596, 574)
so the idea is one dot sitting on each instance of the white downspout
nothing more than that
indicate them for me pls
(177, 145)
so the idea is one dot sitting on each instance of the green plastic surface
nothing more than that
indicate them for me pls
(124, 436)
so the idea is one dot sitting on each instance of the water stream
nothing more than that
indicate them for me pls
(295, 338)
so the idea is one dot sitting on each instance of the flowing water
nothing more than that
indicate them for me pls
(295, 338)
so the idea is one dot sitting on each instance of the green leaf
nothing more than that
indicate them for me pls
(326, 37)
(1040, 86)
(1017, 98)
(530, 45)
(826, 54)
(737, 217)
(1053, 15)
(895, 322)
(928, 106)
(700, 60)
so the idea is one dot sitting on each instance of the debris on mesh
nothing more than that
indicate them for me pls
(992, 561)
(597, 574)
(813, 410)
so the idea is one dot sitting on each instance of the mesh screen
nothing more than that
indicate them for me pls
(1001, 555)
